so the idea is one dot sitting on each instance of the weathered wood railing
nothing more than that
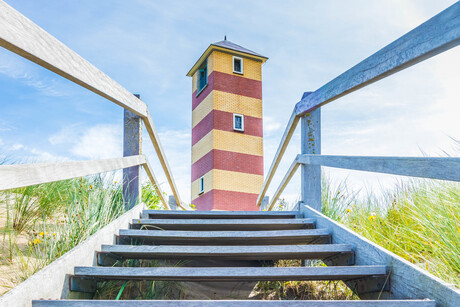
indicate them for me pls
(23, 37)
(438, 34)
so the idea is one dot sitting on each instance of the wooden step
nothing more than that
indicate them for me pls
(231, 303)
(263, 252)
(222, 224)
(266, 237)
(180, 214)
(231, 273)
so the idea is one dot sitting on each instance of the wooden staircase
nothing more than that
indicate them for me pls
(221, 236)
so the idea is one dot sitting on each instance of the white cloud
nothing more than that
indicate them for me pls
(68, 134)
(99, 142)
(26, 154)
(18, 147)
(176, 145)
(44, 156)
(5, 126)
(271, 125)
(24, 71)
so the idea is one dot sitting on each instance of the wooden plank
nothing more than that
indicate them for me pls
(288, 132)
(238, 252)
(287, 178)
(176, 237)
(231, 303)
(310, 178)
(23, 37)
(222, 224)
(434, 168)
(232, 273)
(132, 141)
(403, 273)
(150, 127)
(22, 175)
(155, 183)
(435, 36)
(219, 214)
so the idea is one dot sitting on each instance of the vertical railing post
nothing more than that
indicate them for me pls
(132, 139)
(172, 203)
(311, 144)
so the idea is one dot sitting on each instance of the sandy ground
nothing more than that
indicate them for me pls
(12, 268)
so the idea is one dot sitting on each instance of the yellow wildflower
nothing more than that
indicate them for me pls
(348, 210)
(371, 217)
(54, 234)
(41, 234)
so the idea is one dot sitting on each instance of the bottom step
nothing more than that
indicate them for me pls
(172, 303)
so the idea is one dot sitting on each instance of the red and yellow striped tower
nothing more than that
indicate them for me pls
(227, 130)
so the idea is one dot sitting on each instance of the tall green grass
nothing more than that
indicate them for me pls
(58, 216)
(418, 220)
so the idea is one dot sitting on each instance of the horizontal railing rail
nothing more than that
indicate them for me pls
(423, 167)
(438, 34)
(20, 35)
(23, 175)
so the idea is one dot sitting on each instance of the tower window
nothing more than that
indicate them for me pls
(238, 122)
(202, 77)
(237, 65)
(201, 185)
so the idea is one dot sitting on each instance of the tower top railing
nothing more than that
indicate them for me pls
(20, 35)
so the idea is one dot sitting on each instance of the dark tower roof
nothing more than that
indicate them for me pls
(229, 45)
(222, 45)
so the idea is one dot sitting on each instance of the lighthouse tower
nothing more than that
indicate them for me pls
(227, 130)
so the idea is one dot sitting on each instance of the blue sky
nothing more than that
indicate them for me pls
(148, 47)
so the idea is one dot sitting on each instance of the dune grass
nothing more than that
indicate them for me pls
(43, 222)
(418, 220)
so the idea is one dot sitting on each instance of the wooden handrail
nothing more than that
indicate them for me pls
(288, 132)
(424, 167)
(155, 183)
(20, 35)
(23, 175)
(148, 122)
(438, 34)
(23, 37)
(287, 178)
